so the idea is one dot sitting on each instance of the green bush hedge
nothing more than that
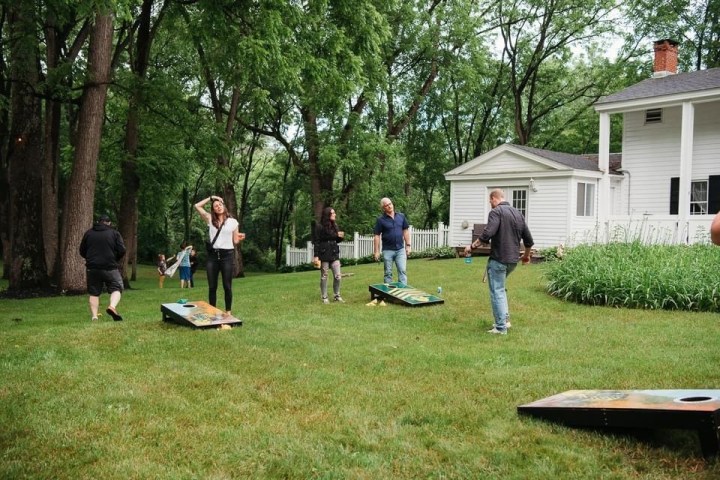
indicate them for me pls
(675, 277)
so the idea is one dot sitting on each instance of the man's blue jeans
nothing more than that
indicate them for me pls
(400, 259)
(497, 273)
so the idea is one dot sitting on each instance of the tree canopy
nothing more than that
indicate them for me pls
(139, 108)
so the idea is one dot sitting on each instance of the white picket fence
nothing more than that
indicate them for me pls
(362, 245)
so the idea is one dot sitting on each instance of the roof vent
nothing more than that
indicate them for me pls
(654, 115)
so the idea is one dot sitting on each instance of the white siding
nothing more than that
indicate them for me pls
(706, 148)
(651, 153)
(548, 212)
(468, 200)
(548, 209)
(509, 162)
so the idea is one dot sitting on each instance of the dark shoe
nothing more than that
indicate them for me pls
(113, 313)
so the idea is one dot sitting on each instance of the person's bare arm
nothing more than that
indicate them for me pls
(200, 207)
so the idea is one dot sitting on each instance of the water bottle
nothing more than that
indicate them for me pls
(439, 290)
(468, 258)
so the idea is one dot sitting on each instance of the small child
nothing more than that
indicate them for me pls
(162, 266)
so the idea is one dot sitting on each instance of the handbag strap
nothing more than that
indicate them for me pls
(217, 234)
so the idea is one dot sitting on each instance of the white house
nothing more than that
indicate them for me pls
(557, 193)
(663, 188)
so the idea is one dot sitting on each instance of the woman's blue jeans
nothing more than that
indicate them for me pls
(399, 257)
(497, 273)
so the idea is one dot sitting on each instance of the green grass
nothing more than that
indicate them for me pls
(305, 390)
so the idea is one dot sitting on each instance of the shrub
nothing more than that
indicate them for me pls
(674, 277)
(435, 252)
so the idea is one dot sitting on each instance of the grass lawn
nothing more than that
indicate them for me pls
(340, 391)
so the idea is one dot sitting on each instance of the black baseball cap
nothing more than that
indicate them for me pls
(104, 218)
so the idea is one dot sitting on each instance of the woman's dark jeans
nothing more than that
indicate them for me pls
(220, 262)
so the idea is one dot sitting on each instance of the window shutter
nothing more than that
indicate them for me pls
(714, 194)
(674, 195)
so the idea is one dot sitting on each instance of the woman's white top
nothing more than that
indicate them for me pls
(225, 239)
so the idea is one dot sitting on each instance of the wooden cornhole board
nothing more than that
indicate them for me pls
(673, 409)
(403, 294)
(197, 314)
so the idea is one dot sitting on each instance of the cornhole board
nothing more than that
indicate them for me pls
(403, 294)
(673, 409)
(197, 314)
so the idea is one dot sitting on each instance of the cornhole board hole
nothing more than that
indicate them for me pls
(403, 294)
(197, 314)
(672, 409)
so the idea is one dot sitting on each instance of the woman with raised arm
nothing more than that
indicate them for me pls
(223, 235)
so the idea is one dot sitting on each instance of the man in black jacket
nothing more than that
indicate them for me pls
(505, 228)
(101, 247)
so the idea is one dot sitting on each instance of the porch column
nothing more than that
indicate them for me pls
(687, 129)
(603, 205)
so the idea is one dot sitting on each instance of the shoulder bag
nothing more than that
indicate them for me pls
(210, 246)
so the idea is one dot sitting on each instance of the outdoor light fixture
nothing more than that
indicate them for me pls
(532, 185)
(464, 224)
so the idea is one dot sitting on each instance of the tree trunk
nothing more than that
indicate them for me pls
(321, 182)
(128, 216)
(50, 186)
(4, 184)
(78, 211)
(27, 256)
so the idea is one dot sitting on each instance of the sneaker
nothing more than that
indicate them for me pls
(113, 313)
(497, 332)
(94, 319)
(507, 324)
(325, 300)
(339, 299)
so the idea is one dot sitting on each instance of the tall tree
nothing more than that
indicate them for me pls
(537, 33)
(24, 154)
(79, 200)
(130, 186)
(59, 26)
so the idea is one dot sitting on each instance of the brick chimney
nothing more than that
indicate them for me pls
(666, 58)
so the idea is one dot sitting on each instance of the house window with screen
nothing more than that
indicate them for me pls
(699, 198)
(704, 196)
(585, 200)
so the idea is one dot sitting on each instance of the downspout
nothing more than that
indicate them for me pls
(623, 171)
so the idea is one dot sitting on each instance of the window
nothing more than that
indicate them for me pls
(585, 200)
(653, 115)
(699, 198)
(704, 196)
(517, 197)
(519, 201)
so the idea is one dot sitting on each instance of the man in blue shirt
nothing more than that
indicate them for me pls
(393, 228)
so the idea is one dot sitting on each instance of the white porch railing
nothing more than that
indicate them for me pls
(648, 230)
(362, 245)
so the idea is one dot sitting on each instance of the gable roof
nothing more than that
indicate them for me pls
(681, 83)
(575, 162)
